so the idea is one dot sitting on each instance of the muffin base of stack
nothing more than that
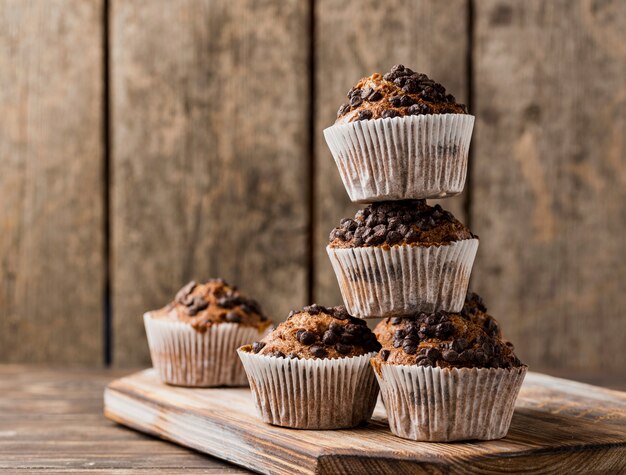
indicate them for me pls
(402, 280)
(448, 404)
(184, 356)
(312, 394)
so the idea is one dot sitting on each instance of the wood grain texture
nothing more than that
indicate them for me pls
(209, 154)
(353, 40)
(51, 201)
(51, 422)
(549, 176)
(559, 426)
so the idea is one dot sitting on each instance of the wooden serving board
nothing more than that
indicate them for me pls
(559, 426)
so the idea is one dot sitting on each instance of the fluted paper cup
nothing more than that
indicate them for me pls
(401, 158)
(447, 404)
(183, 356)
(311, 393)
(401, 280)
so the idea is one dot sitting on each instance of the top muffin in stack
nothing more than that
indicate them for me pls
(400, 136)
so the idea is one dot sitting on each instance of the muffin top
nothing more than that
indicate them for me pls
(392, 223)
(318, 332)
(400, 92)
(470, 339)
(203, 305)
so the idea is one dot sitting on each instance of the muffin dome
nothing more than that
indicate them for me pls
(400, 92)
(469, 339)
(318, 332)
(399, 222)
(204, 305)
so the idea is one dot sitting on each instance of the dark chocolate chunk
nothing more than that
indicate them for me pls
(232, 317)
(307, 338)
(365, 115)
(389, 114)
(384, 354)
(257, 346)
(329, 338)
(318, 351)
(343, 348)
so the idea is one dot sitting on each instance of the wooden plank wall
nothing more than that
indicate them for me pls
(210, 107)
(214, 161)
(549, 177)
(51, 181)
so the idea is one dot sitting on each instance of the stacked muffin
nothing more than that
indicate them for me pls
(444, 371)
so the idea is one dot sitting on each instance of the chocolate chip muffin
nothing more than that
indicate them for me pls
(400, 136)
(318, 332)
(398, 93)
(469, 339)
(313, 370)
(401, 258)
(447, 376)
(193, 340)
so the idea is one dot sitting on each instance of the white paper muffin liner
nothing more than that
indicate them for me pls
(400, 280)
(401, 158)
(186, 357)
(311, 393)
(442, 405)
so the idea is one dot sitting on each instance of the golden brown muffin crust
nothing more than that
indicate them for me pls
(400, 92)
(470, 339)
(318, 332)
(214, 302)
(394, 223)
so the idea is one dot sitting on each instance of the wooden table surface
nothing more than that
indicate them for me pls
(51, 422)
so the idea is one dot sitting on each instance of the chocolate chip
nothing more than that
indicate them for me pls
(375, 96)
(365, 115)
(355, 101)
(409, 349)
(396, 320)
(329, 338)
(450, 356)
(384, 354)
(258, 346)
(307, 338)
(424, 362)
(318, 351)
(389, 114)
(293, 355)
(184, 292)
(433, 354)
(335, 327)
(348, 339)
(343, 348)
(419, 109)
(233, 317)
(312, 309)
(467, 355)
(353, 329)
(343, 109)
(459, 345)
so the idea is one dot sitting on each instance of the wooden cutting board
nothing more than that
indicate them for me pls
(559, 426)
